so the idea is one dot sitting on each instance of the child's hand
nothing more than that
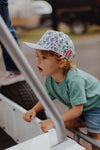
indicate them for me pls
(46, 125)
(29, 115)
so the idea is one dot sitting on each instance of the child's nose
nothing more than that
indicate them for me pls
(38, 61)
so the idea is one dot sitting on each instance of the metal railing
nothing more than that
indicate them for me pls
(78, 134)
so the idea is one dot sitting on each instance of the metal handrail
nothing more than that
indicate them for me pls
(22, 63)
(78, 134)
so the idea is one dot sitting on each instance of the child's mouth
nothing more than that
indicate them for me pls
(40, 69)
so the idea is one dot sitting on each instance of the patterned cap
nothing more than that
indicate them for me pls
(55, 41)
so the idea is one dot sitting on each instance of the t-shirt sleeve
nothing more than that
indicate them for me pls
(76, 89)
(48, 88)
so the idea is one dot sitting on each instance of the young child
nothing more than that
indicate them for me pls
(73, 87)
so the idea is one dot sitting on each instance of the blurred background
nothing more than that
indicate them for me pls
(77, 15)
(79, 19)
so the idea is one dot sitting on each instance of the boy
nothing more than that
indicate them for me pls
(73, 87)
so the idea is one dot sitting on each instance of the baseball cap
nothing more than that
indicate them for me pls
(55, 41)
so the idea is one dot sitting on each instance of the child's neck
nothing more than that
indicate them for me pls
(60, 77)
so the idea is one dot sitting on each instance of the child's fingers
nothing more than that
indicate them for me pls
(32, 117)
(44, 130)
(26, 118)
(43, 127)
(29, 115)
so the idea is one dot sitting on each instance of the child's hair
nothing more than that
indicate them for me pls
(68, 64)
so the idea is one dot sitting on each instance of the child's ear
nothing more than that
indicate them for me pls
(62, 63)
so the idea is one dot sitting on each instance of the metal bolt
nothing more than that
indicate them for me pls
(14, 109)
(17, 140)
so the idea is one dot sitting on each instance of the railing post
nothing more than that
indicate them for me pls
(86, 138)
(76, 137)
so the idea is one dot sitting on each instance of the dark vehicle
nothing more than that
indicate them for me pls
(76, 13)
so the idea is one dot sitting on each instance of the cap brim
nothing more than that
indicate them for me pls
(30, 47)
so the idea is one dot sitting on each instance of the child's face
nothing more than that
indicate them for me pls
(47, 65)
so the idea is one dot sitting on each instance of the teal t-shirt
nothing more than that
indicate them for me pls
(78, 87)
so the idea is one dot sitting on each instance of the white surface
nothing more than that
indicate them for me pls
(42, 142)
(69, 144)
(11, 119)
(38, 143)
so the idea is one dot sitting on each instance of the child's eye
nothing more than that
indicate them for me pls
(44, 57)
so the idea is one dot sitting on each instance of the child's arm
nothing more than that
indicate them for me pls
(67, 116)
(31, 114)
(72, 113)
(70, 116)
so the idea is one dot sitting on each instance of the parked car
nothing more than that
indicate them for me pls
(29, 14)
(44, 9)
(76, 13)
